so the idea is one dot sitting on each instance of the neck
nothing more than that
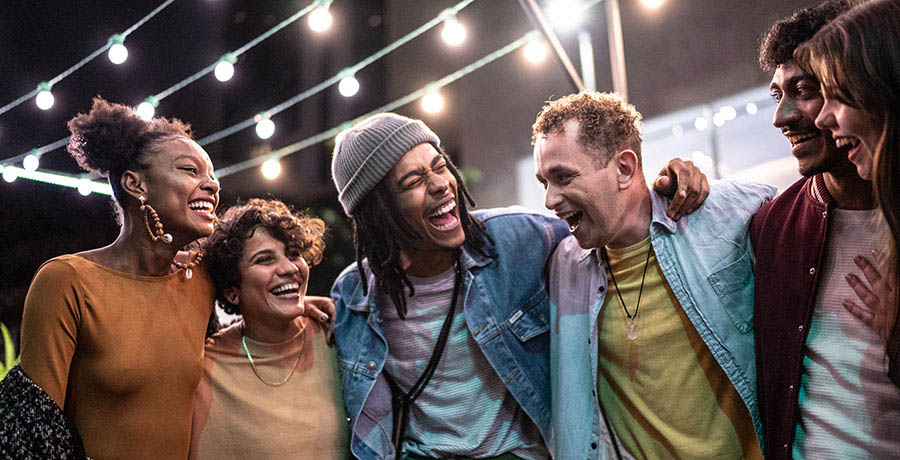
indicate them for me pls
(262, 331)
(426, 263)
(135, 252)
(848, 189)
(637, 213)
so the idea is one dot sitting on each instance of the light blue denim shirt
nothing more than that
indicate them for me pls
(507, 312)
(706, 260)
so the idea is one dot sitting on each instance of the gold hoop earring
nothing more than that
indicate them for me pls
(158, 234)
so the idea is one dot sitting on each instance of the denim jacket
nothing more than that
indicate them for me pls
(506, 307)
(705, 258)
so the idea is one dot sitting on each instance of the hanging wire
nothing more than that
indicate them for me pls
(87, 59)
(328, 134)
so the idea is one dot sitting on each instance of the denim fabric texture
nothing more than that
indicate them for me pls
(507, 312)
(706, 259)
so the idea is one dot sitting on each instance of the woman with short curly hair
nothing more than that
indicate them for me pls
(270, 386)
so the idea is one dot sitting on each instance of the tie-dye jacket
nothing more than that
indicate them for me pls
(706, 260)
(507, 312)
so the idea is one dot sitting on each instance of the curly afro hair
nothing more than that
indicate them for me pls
(606, 123)
(112, 138)
(225, 247)
(777, 45)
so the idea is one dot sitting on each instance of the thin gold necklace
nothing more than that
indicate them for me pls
(256, 371)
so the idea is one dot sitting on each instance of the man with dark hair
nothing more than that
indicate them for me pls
(651, 344)
(823, 385)
(442, 323)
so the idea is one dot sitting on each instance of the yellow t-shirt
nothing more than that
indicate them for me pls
(119, 353)
(238, 416)
(664, 393)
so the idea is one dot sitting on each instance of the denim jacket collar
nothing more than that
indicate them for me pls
(470, 259)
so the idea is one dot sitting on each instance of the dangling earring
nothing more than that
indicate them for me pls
(159, 234)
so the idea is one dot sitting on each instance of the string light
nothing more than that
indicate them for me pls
(728, 112)
(349, 85)
(118, 53)
(265, 127)
(719, 119)
(453, 32)
(751, 108)
(147, 108)
(225, 67)
(31, 161)
(44, 98)
(701, 123)
(271, 168)
(320, 19)
(9, 174)
(432, 102)
(652, 4)
(564, 14)
(535, 50)
(85, 187)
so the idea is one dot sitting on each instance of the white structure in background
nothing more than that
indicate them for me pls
(734, 140)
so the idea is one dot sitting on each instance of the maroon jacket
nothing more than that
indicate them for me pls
(788, 236)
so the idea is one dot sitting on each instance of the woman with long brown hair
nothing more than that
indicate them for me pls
(857, 60)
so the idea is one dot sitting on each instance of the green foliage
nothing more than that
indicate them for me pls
(10, 358)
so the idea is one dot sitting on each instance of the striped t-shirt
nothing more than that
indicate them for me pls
(465, 410)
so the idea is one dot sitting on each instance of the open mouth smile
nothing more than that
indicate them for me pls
(203, 206)
(571, 218)
(290, 290)
(444, 218)
(851, 143)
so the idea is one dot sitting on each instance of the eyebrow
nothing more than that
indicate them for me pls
(420, 170)
(265, 251)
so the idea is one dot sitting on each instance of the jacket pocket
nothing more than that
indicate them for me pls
(733, 284)
(531, 320)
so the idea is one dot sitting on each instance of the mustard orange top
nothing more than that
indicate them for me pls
(121, 354)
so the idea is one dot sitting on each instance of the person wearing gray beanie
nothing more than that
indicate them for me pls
(441, 324)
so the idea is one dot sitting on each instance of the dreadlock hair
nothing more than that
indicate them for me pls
(380, 232)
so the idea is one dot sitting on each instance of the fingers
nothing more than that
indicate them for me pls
(314, 312)
(704, 192)
(320, 308)
(873, 276)
(862, 314)
(662, 184)
(863, 292)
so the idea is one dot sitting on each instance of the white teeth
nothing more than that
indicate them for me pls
(843, 142)
(444, 209)
(797, 138)
(200, 205)
(285, 288)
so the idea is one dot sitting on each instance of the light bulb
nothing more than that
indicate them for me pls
(535, 51)
(433, 102)
(44, 98)
(652, 4)
(224, 70)
(145, 110)
(719, 119)
(728, 112)
(751, 108)
(348, 86)
(9, 174)
(320, 19)
(701, 123)
(31, 162)
(118, 53)
(565, 14)
(453, 32)
(271, 168)
(85, 187)
(265, 128)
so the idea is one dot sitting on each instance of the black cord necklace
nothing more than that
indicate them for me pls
(632, 328)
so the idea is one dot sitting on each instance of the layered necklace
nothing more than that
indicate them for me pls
(631, 317)
(256, 371)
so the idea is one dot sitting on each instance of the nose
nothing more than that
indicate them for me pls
(437, 184)
(211, 185)
(786, 112)
(288, 267)
(825, 119)
(552, 197)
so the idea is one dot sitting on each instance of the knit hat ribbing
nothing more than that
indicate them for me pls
(365, 153)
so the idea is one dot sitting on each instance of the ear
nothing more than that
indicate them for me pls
(233, 295)
(133, 183)
(629, 168)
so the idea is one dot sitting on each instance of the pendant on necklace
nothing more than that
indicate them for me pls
(188, 273)
(632, 330)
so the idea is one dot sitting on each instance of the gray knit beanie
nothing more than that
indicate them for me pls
(365, 153)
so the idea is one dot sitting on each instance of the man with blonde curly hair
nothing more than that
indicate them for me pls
(652, 350)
